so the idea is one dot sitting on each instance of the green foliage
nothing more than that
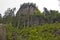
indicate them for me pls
(54, 14)
(44, 32)
(22, 26)
(0, 18)
(37, 12)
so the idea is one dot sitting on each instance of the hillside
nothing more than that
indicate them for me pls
(45, 32)
(29, 23)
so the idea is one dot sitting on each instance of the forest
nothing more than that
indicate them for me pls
(29, 23)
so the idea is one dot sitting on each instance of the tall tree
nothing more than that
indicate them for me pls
(0, 18)
(9, 14)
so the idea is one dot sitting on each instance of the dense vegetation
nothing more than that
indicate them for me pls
(30, 23)
(45, 32)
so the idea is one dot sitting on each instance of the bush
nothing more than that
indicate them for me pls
(44, 32)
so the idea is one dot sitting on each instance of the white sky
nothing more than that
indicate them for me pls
(49, 4)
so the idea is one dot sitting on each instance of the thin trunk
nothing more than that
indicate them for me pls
(28, 16)
(24, 20)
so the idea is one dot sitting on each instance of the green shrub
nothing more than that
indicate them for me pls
(44, 32)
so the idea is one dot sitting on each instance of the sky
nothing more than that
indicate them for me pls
(49, 4)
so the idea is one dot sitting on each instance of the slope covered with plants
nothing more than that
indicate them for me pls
(45, 32)
(29, 23)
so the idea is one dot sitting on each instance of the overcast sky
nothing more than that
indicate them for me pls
(49, 4)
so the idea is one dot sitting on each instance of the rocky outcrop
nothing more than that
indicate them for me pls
(27, 15)
(27, 8)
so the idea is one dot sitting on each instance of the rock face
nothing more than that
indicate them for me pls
(2, 32)
(27, 15)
